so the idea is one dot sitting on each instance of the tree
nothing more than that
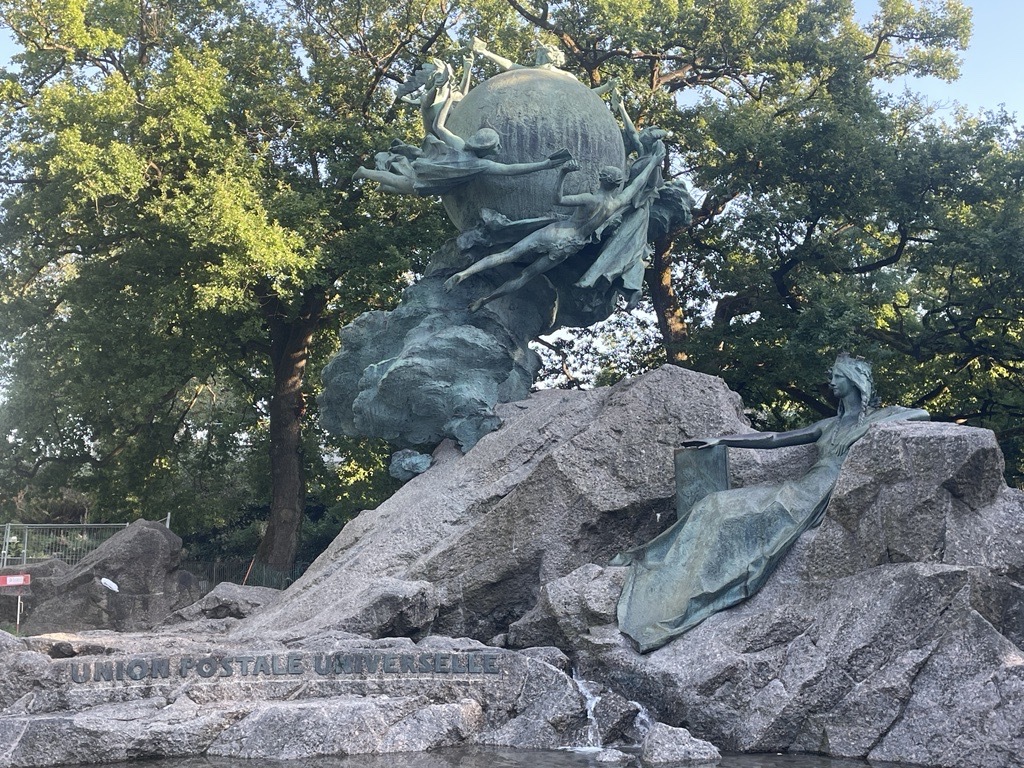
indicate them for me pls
(180, 238)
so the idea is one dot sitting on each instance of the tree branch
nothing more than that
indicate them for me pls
(809, 400)
(889, 260)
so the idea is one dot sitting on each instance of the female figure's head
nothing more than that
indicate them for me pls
(610, 176)
(548, 56)
(852, 376)
(484, 142)
(650, 136)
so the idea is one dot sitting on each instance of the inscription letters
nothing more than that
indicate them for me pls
(350, 663)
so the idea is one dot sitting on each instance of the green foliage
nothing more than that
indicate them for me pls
(360, 481)
(626, 344)
(893, 237)
(179, 239)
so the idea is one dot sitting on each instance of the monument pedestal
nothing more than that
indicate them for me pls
(892, 632)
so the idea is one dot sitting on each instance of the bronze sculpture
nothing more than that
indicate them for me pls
(723, 549)
(445, 160)
(537, 248)
(562, 238)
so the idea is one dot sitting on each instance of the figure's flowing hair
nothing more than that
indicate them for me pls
(858, 371)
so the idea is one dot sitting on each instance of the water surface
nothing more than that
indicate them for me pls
(481, 757)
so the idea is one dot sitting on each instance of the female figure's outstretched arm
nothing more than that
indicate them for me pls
(561, 157)
(802, 436)
(440, 130)
(479, 47)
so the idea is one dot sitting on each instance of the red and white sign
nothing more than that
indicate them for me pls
(18, 580)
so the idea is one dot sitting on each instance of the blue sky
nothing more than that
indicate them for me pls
(992, 65)
(991, 73)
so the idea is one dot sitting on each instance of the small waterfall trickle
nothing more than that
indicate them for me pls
(643, 721)
(590, 692)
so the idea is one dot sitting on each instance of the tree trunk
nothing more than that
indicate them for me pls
(289, 353)
(674, 330)
(288, 485)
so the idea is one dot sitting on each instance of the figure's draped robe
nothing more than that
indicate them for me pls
(731, 541)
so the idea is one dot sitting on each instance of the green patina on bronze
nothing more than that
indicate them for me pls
(721, 550)
(555, 203)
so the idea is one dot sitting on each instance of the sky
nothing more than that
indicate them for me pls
(990, 75)
(992, 65)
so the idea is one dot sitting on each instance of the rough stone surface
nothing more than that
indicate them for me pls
(615, 717)
(142, 560)
(665, 744)
(612, 756)
(348, 725)
(549, 655)
(893, 632)
(570, 479)
(9, 642)
(47, 569)
(902, 501)
(47, 718)
(568, 607)
(224, 601)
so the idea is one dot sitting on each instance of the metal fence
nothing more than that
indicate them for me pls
(239, 571)
(24, 543)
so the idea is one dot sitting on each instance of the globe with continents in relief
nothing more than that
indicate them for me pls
(536, 112)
